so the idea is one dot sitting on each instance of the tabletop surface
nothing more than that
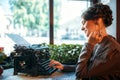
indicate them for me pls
(58, 75)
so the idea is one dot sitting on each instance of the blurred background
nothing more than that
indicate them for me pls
(28, 22)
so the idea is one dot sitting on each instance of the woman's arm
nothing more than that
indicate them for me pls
(100, 66)
(81, 69)
(62, 67)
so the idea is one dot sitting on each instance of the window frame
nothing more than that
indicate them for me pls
(51, 22)
(51, 18)
(118, 21)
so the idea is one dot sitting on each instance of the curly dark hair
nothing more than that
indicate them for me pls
(99, 10)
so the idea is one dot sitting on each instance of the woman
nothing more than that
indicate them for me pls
(99, 57)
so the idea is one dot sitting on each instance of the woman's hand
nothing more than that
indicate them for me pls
(56, 64)
(94, 38)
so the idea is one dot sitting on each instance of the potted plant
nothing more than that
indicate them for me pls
(65, 53)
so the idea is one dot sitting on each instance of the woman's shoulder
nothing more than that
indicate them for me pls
(112, 42)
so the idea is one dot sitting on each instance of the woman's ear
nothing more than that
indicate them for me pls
(96, 21)
(102, 28)
(100, 22)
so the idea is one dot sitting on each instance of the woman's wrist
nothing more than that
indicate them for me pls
(62, 67)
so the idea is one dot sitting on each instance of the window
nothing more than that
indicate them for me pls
(27, 21)
(23, 22)
(67, 28)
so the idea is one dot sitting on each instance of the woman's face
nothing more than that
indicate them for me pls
(89, 26)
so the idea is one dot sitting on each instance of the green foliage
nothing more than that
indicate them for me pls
(33, 14)
(65, 53)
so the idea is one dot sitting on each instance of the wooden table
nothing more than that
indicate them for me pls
(58, 75)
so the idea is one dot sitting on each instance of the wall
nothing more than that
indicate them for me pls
(112, 28)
